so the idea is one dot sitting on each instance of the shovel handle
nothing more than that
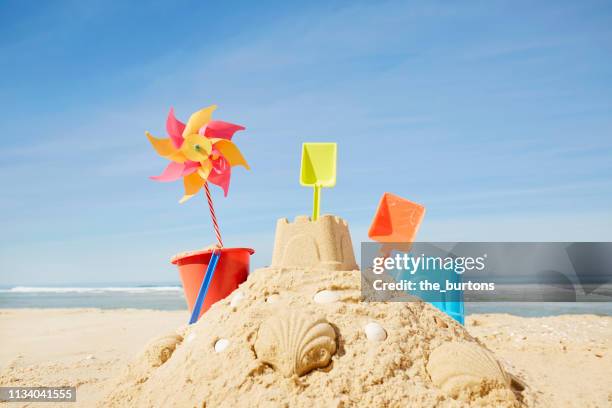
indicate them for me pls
(316, 202)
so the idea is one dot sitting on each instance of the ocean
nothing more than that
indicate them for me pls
(170, 297)
(158, 297)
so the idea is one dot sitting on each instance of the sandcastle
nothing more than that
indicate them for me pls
(322, 244)
(298, 334)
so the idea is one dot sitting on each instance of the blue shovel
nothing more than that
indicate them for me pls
(210, 271)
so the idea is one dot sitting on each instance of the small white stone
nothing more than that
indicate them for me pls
(238, 296)
(326, 296)
(190, 337)
(90, 357)
(221, 345)
(375, 332)
(273, 298)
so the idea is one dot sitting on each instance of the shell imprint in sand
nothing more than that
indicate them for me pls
(295, 343)
(461, 365)
(326, 296)
(375, 332)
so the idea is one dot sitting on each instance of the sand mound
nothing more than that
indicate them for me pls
(314, 352)
(159, 350)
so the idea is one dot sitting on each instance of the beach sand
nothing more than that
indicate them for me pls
(75, 347)
(567, 360)
(298, 334)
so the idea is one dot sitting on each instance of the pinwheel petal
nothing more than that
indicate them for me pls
(165, 149)
(221, 174)
(190, 167)
(175, 129)
(221, 130)
(193, 183)
(178, 157)
(172, 172)
(231, 152)
(204, 173)
(204, 169)
(185, 198)
(220, 164)
(198, 119)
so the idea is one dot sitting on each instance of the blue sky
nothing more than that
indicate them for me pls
(494, 115)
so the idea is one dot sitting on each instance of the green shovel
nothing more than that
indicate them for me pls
(318, 170)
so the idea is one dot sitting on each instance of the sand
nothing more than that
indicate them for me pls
(567, 359)
(75, 347)
(81, 346)
(361, 372)
(298, 334)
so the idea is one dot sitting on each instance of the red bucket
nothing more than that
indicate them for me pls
(232, 269)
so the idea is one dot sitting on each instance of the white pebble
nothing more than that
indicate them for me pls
(221, 345)
(238, 296)
(375, 332)
(190, 337)
(273, 298)
(326, 296)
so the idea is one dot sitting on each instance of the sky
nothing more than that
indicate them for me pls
(494, 115)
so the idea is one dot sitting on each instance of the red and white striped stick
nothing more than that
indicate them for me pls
(212, 215)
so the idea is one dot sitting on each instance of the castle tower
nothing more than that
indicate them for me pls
(322, 244)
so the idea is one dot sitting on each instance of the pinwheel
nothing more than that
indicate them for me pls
(199, 151)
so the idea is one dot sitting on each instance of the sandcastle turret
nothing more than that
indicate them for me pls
(322, 244)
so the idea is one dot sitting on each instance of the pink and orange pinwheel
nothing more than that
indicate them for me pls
(199, 151)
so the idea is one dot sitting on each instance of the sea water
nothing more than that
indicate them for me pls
(169, 296)
(119, 296)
